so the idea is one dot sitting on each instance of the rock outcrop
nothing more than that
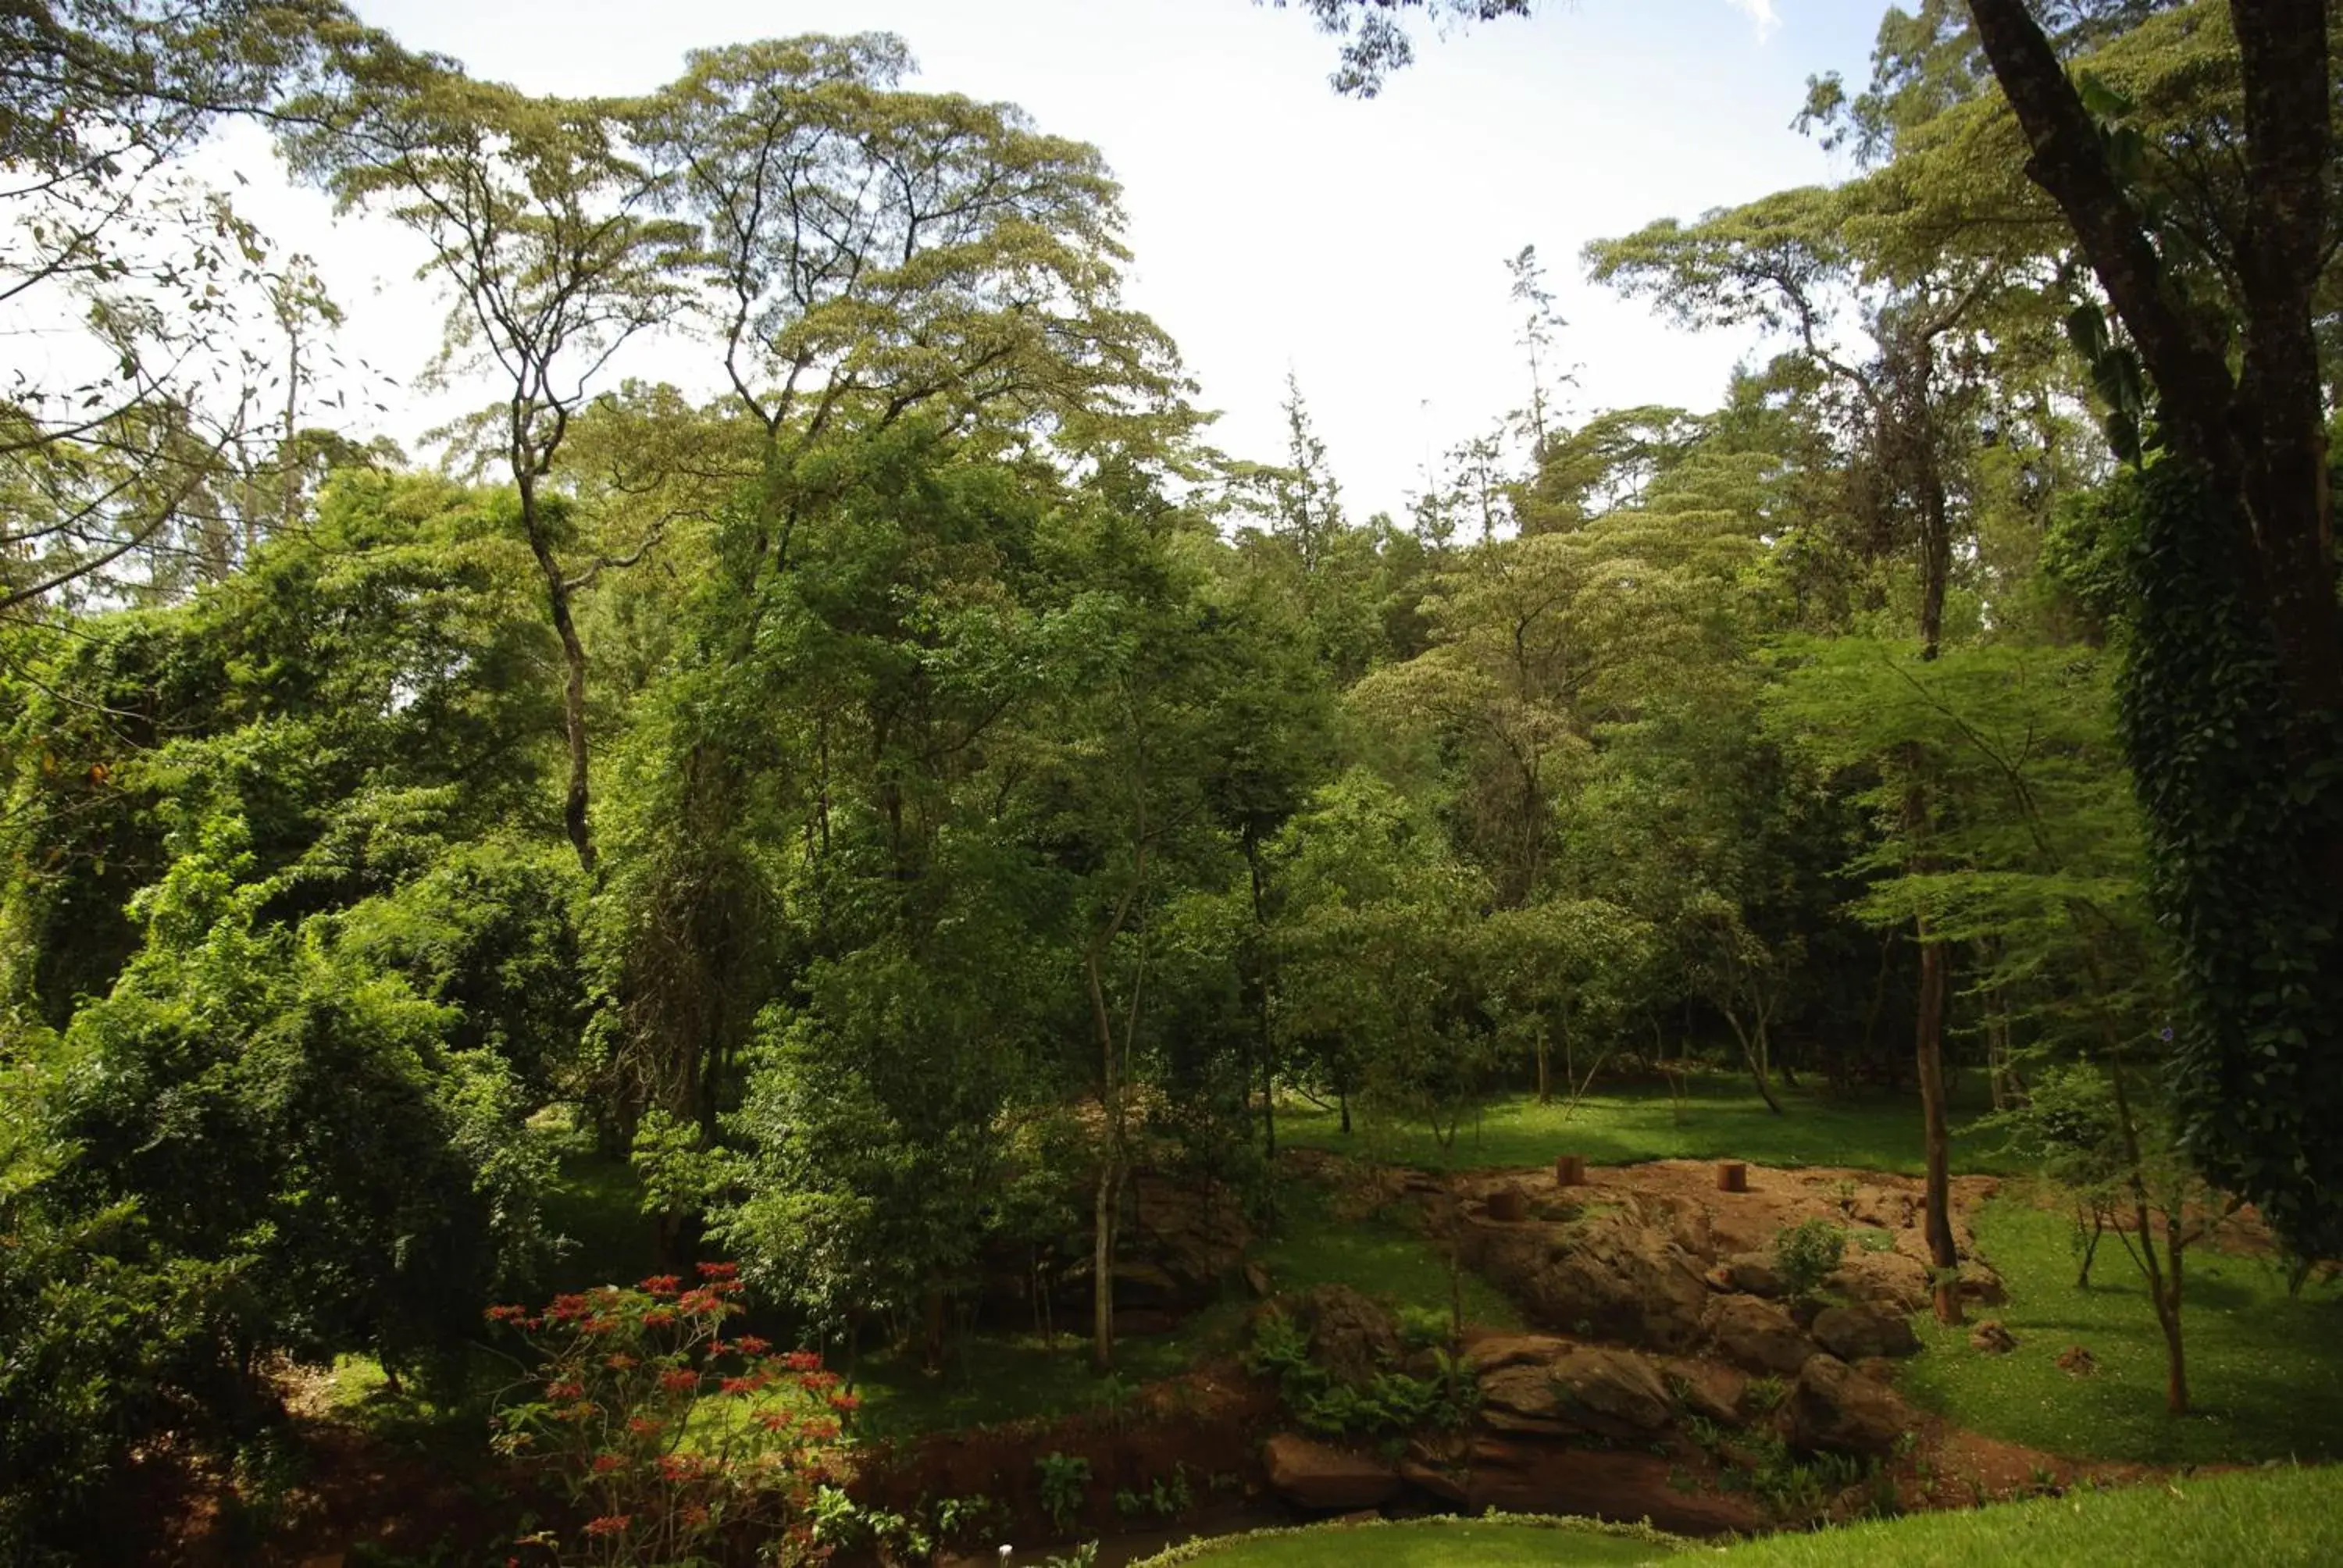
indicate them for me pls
(1312, 1475)
(1837, 1409)
(1757, 1336)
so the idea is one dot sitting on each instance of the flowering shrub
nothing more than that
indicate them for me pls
(672, 1441)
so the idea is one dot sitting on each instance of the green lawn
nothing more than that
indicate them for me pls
(2276, 1518)
(2261, 1519)
(1718, 1119)
(2265, 1372)
(1498, 1542)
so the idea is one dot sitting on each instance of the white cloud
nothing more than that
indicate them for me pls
(1762, 12)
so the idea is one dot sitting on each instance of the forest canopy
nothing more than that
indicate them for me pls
(892, 808)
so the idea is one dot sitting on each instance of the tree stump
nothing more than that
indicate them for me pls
(1569, 1169)
(1509, 1204)
(1732, 1176)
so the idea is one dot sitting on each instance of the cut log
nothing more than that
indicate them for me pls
(1732, 1176)
(1569, 1169)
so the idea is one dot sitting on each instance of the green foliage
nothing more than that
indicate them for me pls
(666, 1438)
(2232, 802)
(1806, 1253)
(1063, 1480)
(1387, 1403)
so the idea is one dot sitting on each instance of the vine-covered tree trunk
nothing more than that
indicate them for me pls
(2238, 641)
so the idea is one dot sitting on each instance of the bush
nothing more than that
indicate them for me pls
(1806, 1253)
(666, 1437)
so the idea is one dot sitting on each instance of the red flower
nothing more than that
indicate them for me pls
(663, 1284)
(803, 1361)
(719, 1270)
(644, 1425)
(610, 1524)
(657, 1318)
(844, 1401)
(750, 1345)
(606, 1463)
(620, 1361)
(564, 1390)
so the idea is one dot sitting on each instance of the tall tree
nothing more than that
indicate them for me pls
(542, 229)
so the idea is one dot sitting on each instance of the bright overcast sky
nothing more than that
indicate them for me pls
(1275, 226)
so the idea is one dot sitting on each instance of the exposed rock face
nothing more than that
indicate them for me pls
(1537, 1386)
(1486, 1355)
(1523, 1398)
(1895, 1280)
(1614, 1393)
(1751, 1273)
(1837, 1408)
(1312, 1475)
(1854, 1334)
(1706, 1388)
(1757, 1335)
(1622, 1275)
(1350, 1335)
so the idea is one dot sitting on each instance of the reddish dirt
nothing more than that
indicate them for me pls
(1210, 1422)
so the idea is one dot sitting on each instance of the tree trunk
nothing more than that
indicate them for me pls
(1756, 1058)
(573, 658)
(1943, 1254)
(1102, 1215)
(1545, 1067)
(2261, 437)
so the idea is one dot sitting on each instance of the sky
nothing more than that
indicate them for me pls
(1276, 226)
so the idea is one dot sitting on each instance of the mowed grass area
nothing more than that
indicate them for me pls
(1497, 1542)
(2254, 1518)
(1717, 1117)
(2265, 1519)
(2265, 1370)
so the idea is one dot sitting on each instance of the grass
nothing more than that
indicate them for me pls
(2265, 1371)
(1717, 1119)
(1499, 1541)
(2263, 1518)
(2275, 1518)
(1395, 1264)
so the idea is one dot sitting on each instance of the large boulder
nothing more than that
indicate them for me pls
(1757, 1335)
(1620, 1274)
(1837, 1408)
(1494, 1350)
(1858, 1334)
(1315, 1476)
(1612, 1393)
(1895, 1279)
(1525, 1398)
(1751, 1273)
(1351, 1336)
(1709, 1389)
